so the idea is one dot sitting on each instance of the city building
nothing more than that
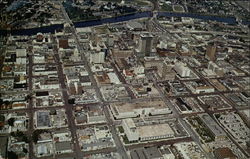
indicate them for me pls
(147, 153)
(89, 114)
(134, 25)
(224, 153)
(217, 132)
(130, 110)
(96, 79)
(234, 124)
(189, 150)
(215, 68)
(63, 43)
(154, 132)
(145, 45)
(130, 129)
(166, 72)
(3, 144)
(153, 62)
(97, 57)
(181, 69)
(63, 147)
(211, 52)
(146, 132)
(198, 87)
(95, 137)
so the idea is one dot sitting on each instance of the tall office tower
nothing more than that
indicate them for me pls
(145, 44)
(211, 52)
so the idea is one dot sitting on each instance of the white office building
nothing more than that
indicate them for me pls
(130, 129)
(145, 45)
(181, 69)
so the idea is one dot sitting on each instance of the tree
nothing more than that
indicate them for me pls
(19, 133)
(11, 121)
(12, 155)
(2, 118)
(7, 102)
(1, 101)
(25, 150)
(36, 135)
(28, 97)
(25, 139)
(13, 134)
(121, 130)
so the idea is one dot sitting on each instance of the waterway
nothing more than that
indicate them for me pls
(52, 28)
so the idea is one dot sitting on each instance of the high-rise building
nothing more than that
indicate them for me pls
(211, 52)
(145, 44)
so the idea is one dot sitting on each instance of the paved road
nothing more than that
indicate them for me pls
(212, 112)
(110, 122)
(195, 137)
(176, 113)
(122, 79)
(30, 108)
(68, 107)
(160, 143)
(120, 147)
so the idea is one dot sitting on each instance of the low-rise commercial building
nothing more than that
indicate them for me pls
(215, 129)
(182, 69)
(130, 110)
(146, 132)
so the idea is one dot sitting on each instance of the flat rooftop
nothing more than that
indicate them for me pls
(147, 35)
(128, 107)
(211, 124)
(63, 146)
(155, 130)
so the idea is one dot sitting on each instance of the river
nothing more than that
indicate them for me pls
(52, 28)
